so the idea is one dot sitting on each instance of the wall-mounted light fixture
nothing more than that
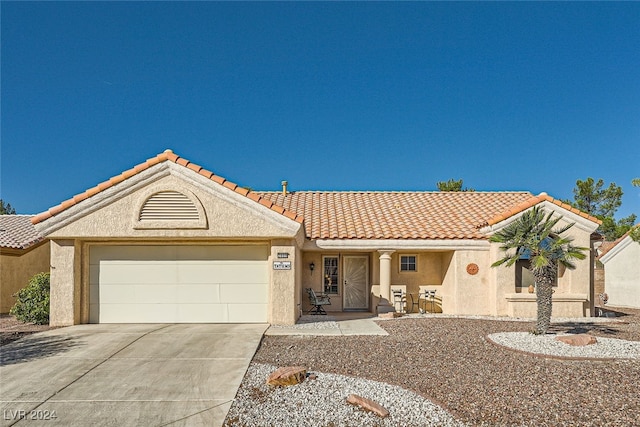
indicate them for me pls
(311, 267)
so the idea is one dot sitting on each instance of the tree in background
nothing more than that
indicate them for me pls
(452, 185)
(6, 209)
(635, 232)
(602, 202)
(533, 236)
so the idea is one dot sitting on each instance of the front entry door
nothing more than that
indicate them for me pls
(356, 283)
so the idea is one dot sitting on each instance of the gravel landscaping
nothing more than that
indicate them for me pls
(12, 329)
(429, 363)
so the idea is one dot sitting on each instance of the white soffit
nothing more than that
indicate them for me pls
(103, 198)
(396, 244)
(580, 222)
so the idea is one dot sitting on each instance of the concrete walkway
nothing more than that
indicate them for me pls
(331, 325)
(126, 375)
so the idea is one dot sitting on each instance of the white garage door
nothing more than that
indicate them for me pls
(178, 284)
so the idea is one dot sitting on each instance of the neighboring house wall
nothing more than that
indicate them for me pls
(622, 274)
(17, 268)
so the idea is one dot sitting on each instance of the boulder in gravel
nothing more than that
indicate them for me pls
(368, 405)
(577, 339)
(287, 375)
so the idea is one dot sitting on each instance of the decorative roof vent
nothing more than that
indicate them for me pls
(169, 206)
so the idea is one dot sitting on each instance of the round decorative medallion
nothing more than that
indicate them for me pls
(472, 269)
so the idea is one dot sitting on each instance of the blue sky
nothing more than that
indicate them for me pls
(329, 96)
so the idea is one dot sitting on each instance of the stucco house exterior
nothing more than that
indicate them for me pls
(169, 241)
(622, 272)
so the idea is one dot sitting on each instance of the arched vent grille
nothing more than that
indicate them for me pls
(169, 206)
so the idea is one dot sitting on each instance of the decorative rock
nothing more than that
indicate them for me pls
(577, 339)
(287, 375)
(390, 315)
(368, 405)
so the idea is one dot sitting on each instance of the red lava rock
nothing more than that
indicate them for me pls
(367, 404)
(287, 375)
(577, 339)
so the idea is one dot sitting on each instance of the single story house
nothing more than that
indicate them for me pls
(622, 272)
(169, 241)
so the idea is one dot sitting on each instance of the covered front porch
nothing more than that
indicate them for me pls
(365, 281)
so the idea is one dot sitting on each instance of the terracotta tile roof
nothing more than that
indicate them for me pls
(17, 232)
(396, 215)
(166, 156)
(534, 200)
(361, 215)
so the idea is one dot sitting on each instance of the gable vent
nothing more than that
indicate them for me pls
(169, 206)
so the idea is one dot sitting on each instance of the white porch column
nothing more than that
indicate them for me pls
(384, 306)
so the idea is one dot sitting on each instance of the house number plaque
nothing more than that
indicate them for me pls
(282, 265)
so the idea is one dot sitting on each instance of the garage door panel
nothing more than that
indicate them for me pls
(133, 294)
(247, 313)
(227, 252)
(221, 273)
(133, 313)
(199, 313)
(133, 253)
(243, 293)
(169, 284)
(198, 293)
(108, 273)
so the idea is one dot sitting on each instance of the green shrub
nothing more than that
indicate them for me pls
(33, 301)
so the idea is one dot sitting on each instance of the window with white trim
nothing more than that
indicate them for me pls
(330, 274)
(524, 273)
(408, 263)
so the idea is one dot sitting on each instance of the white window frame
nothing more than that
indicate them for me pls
(337, 278)
(408, 264)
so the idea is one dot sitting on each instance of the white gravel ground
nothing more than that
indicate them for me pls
(324, 400)
(605, 348)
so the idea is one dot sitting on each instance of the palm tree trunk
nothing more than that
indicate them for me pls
(544, 289)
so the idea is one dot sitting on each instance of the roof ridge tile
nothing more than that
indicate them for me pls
(534, 200)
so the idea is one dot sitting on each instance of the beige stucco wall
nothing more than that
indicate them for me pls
(622, 277)
(66, 282)
(284, 299)
(16, 270)
(470, 293)
(228, 218)
(309, 279)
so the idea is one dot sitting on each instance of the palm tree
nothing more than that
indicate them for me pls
(533, 236)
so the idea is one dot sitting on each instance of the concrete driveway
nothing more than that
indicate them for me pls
(126, 375)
